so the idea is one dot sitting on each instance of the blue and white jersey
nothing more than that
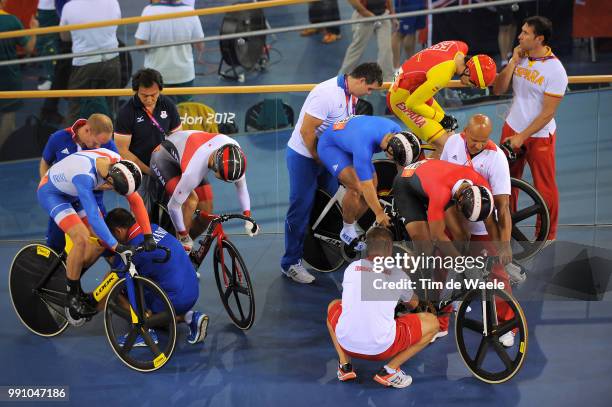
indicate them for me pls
(79, 169)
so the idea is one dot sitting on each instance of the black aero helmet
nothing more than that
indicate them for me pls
(230, 162)
(476, 203)
(405, 148)
(126, 177)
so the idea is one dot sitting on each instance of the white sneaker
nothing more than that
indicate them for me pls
(399, 379)
(298, 273)
(457, 304)
(440, 334)
(347, 235)
(507, 339)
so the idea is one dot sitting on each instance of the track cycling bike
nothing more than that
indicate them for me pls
(325, 252)
(37, 286)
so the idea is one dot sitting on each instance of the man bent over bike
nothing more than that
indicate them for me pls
(423, 192)
(74, 179)
(346, 150)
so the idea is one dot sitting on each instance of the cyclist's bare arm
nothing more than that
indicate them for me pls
(437, 230)
(371, 197)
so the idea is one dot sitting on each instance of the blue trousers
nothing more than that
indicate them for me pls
(305, 176)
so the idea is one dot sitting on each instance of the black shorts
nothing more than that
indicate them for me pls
(409, 199)
(166, 166)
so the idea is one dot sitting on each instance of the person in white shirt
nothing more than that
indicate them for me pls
(474, 148)
(176, 64)
(330, 101)
(47, 44)
(539, 82)
(102, 71)
(363, 324)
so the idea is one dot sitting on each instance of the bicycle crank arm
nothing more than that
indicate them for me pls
(335, 242)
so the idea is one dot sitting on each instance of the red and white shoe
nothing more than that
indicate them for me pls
(399, 379)
(346, 372)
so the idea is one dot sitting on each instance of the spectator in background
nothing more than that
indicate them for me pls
(102, 71)
(61, 74)
(321, 12)
(362, 33)
(405, 35)
(10, 75)
(142, 124)
(47, 44)
(508, 18)
(174, 63)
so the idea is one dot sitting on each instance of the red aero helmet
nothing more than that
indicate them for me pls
(482, 70)
(230, 162)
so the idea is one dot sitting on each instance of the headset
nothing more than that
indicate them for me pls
(147, 75)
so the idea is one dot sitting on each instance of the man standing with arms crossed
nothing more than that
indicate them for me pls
(329, 102)
(538, 83)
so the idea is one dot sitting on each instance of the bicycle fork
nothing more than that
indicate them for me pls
(486, 299)
(109, 282)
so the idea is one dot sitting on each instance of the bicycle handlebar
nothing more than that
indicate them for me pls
(126, 257)
(229, 216)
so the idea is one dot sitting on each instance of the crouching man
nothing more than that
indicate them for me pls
(363, 325)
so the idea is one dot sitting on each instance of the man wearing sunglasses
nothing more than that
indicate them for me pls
(410, 97)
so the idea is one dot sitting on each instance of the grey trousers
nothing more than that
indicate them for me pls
(99, 75)
(361, 37)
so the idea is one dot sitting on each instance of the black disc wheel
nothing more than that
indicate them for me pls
(143, 336)
(234, 285)
(530, 220)
(42, 310)
(484, 355)
(322, 244)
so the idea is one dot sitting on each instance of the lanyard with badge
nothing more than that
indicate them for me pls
(155, 123)
(351, 101)
(468, 155)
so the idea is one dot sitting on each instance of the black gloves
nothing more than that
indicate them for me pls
(123, 248)
(449, 123)
(149, 244)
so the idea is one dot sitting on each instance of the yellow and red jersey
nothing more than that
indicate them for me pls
(425, 73)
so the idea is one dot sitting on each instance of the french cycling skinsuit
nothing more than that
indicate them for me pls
(421, 76)
(180, 163)
(354, 141)
(425, 189)
(59, 146)
(176, 277)
(73, 180)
